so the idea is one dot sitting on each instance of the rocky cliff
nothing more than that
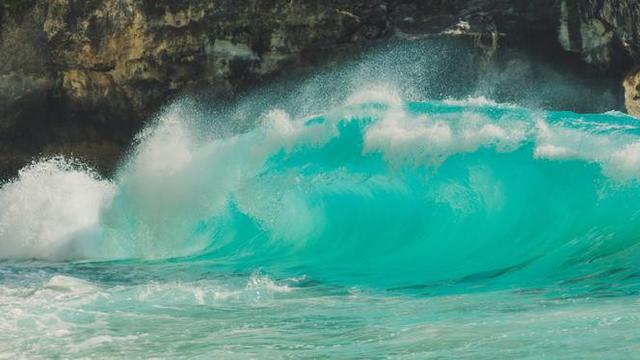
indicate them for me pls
(79, 76)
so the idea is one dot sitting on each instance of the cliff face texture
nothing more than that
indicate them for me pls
(79, 76)
(604, 33)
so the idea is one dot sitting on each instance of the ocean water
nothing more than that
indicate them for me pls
(379, 228)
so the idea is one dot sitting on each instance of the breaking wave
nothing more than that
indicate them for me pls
(389, 191)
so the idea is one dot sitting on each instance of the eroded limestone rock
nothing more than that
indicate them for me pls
(632, 92)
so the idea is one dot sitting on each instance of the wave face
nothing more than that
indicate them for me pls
(380, 191)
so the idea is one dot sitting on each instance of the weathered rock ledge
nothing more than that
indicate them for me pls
(79, 76)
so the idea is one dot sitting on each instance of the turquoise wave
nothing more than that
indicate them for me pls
(427, 196)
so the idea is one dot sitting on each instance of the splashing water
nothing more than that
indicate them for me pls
(380, 226)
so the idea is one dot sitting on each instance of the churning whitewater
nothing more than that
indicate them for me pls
(382, 223)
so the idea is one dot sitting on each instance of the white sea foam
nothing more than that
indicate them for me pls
(618, 155)
(69, 284)
(618, 114)
(478, 101)
(625, 162)
(431, 140)
(49, 208)
(260, 282)
(380, 93)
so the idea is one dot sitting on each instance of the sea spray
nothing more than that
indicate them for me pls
(52, 211)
